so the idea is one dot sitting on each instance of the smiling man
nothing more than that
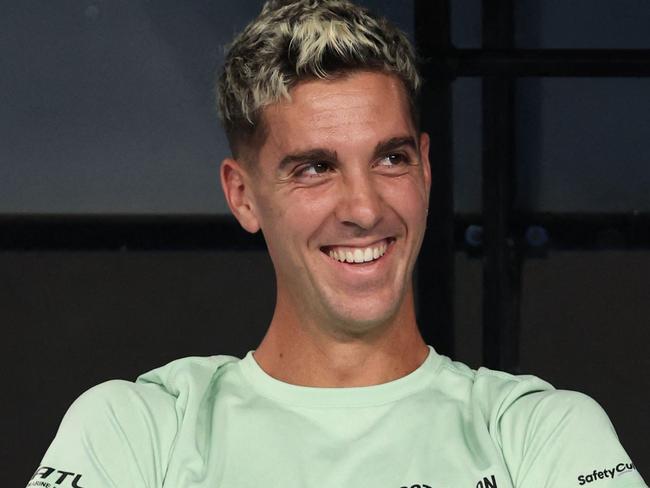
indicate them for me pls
(318, 99)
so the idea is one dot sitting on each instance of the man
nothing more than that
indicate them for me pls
(318, 101)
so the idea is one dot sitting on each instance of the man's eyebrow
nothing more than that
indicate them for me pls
(317, 154)
(321, 154)
(395, 143)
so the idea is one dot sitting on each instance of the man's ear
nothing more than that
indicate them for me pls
(424, 159)
(239, 195)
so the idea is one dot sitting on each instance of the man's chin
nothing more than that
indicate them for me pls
(356, 321)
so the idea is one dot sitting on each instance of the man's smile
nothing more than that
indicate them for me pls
(358, 254)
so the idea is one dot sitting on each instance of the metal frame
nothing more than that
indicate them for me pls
(501, 266)
(435, 268)
(125, 233)
(502, 244)
(547, 62)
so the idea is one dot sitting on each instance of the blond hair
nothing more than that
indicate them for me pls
(290, 41)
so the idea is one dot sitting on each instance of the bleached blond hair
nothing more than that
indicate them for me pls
(291, 41)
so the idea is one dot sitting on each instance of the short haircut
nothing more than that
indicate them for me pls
(292, 41)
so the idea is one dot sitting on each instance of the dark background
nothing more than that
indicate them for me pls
(118, 255)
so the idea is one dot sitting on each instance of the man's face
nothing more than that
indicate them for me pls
(342, 176)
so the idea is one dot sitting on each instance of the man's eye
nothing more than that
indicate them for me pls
(313, 169)
(396, 159)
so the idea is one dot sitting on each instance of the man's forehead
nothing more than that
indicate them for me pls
(365, 105)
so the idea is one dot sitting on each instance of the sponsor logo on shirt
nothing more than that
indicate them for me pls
(597, 475)
(47, 477)
(490, 482)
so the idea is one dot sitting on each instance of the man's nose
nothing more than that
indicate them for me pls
(360, 202)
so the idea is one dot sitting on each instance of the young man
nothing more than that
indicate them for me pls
(317, 98)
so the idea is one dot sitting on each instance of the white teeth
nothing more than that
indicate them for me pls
(358, 255)
(367, 254)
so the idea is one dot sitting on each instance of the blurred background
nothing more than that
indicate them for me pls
(117, 252)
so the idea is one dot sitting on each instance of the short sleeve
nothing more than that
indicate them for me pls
(117, 434)
(563, 439)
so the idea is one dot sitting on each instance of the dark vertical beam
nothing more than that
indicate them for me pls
(436, 262)
(501, 266)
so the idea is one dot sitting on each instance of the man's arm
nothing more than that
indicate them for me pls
(563, 439)
(108, 439)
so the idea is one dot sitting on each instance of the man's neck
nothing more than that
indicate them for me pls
(292, 354)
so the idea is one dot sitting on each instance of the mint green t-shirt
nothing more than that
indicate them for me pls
(222, 422)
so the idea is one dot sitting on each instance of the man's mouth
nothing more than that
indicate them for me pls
(346, 254)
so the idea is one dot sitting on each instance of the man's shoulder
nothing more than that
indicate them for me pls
(545, 435)
(520, 395)
(492, 391)
(162, 394)
(129, 428)
(548, 411)
(182, 374)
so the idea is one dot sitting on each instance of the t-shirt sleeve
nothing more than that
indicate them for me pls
(563, 439)
(117, 434)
